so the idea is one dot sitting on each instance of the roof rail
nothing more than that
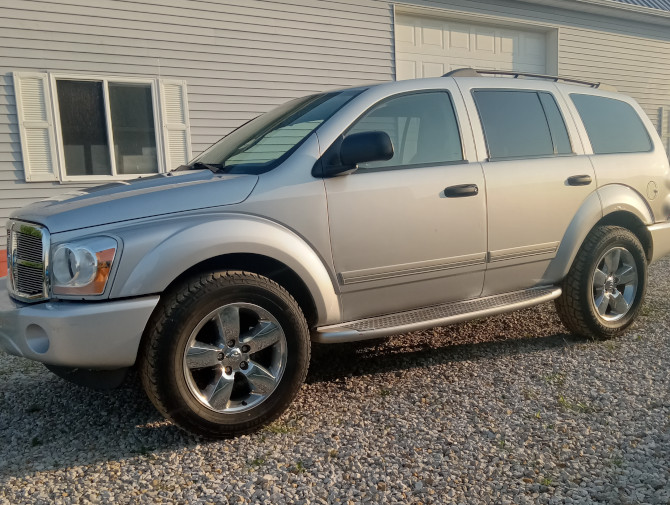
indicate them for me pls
(471, 72)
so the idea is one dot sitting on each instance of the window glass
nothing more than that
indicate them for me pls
(514, 123)
(613, 126)
(84, 118)
(133, 128)
(84, 127)
(264, 142)
(422, 127)
(559, 133)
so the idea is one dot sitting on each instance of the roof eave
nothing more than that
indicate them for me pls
(613, 8)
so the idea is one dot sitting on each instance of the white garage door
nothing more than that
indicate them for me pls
(430, 47)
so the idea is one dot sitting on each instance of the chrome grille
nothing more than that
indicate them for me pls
(27, 248)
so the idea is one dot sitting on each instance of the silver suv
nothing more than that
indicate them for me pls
(342, 216)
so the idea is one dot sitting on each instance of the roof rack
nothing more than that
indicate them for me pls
(471, 72)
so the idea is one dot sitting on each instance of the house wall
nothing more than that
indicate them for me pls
(241, 59)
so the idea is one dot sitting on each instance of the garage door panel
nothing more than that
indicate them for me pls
(436, 46)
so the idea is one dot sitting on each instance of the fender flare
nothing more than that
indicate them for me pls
(602, 202)
(173, 246)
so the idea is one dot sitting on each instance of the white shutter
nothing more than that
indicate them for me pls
(176, 128)
(36, 127)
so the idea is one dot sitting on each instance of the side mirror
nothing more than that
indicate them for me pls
(360, 148)
(366, 146)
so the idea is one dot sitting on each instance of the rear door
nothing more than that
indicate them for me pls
(537, 177)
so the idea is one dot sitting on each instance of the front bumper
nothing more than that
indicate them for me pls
(660, 237)
(102, 335)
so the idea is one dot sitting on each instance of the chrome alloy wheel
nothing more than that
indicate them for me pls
(615, 283)
(235, 358)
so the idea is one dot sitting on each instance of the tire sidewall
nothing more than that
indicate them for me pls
(625, 239)
(183, 406)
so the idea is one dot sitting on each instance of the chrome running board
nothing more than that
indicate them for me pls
(429, 317)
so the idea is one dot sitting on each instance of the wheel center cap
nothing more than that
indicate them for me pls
(609, 284)
(235, 356)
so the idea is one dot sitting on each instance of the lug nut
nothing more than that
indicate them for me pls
(244, 365)
(231, 343)
(245, 348)
(229, 370)
(220, 356)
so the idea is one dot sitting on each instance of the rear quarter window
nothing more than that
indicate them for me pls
(613, 126)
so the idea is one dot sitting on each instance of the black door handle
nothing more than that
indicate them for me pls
(579, 180)
(461, 190)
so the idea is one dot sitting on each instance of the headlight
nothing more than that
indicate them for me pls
(82, 268)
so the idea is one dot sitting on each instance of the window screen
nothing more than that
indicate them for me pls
(84, 127)
(515, 124)
(422, 127)
(84, 116)
(613, 126)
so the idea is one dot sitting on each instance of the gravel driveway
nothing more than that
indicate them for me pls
(505, 410)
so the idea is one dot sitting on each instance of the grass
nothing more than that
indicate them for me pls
(280, 428)
(258, 462)
(384, 393)
(546, 481)
(299, 467)
(558, 379)
(573, 406)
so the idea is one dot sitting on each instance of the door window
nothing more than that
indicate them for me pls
(422, 126)
(521, 124)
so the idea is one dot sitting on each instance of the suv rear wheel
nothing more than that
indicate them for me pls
(604, 289)
(226, 353)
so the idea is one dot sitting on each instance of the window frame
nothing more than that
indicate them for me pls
(652, 146)
(537, 92)
(105, 79)
(417, 165)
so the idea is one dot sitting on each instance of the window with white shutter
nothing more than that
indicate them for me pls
(36, 126)
(175, 123)
(81, 128)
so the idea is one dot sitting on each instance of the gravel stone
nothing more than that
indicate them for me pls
(507, 410)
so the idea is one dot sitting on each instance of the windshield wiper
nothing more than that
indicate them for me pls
(214, 167)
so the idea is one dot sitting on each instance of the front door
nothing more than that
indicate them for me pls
(411, 231)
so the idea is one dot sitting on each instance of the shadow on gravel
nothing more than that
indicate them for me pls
(335, 361)
(42, 415)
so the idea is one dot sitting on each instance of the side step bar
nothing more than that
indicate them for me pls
(429, 317)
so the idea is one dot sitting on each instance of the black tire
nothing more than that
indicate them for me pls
(576, 306)
(162, 354)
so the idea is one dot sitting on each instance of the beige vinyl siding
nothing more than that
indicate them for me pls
(239, 60)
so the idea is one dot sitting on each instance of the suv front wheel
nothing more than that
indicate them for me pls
(603, 292)
(226, 353)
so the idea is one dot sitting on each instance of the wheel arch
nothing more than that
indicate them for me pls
(159, 257)
(613, 204)
(262, 265)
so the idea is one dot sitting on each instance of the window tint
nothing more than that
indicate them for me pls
(514, 122)
(613, 126)
(422, 127)
(559, 133)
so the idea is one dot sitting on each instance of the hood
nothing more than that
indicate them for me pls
(144, 197)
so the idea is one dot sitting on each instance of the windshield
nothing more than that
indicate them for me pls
(265, 142)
